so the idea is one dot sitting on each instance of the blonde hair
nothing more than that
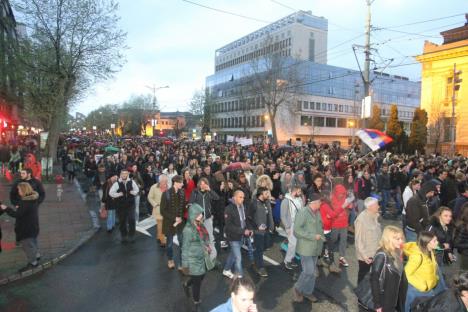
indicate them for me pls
(264, 181)
(386, 242)
(25, 188)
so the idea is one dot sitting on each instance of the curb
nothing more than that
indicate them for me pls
(48, 264)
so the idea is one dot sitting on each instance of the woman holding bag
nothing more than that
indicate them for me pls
(195, 253)
(422, 271)
(386, 270)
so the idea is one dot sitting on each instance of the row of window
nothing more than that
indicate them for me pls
(305, 105)
(386, 112)
(239, 105)
(238, 122)
(319, 121)
(272, 48)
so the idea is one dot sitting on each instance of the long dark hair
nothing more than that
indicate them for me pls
(423, 240)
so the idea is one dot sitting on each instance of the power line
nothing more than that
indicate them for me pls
(425, 21)
(284, 5)
(227, 12)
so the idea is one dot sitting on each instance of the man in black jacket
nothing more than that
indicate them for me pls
(236, 229)
(26, 176)
(417, 211)
(204, 196)
(263, 225)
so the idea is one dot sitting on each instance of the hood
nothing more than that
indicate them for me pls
(427, 187)
(32, 196)
(339, 191)
(194, 211)
(411, 248)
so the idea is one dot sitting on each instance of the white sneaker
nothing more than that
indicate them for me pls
(228, 274)
(224, 244)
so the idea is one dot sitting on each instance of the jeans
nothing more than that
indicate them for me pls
(261, 242)
(126, 221)
(30, 248)
(386, 194)
(339, 240)
(411, 236)
(398, 201)
(110, 219)
(170, 247)
(292, 241)
(137, 208)
(209, 227)
(234, 258)
(306, 281)
(412, 293)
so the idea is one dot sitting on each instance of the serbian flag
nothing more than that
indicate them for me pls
(375, 139)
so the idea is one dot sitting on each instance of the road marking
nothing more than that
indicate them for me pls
(146, 224)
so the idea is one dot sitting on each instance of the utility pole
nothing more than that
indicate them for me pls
(455, 87)
(367, 50)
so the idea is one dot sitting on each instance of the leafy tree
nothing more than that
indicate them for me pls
(418, 135)
(376, 122)
(71, 45)
(394, 128)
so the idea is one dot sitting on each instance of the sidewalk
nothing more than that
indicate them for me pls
(64, 226)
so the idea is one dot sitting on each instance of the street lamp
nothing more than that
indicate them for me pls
(154, 122)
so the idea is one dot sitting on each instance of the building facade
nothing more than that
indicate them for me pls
(9, 91)
(327, 105)
(438, 95)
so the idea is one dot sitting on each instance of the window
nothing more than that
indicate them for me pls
(331, 122)
(312, 105)
(340, 108)
(335, 107)
(299, 105)
(330, 107)
(319, 121)
(305, 105)
(306, 121)
(341, 123)
(324, 106)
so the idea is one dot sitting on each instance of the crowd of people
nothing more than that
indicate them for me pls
(206, 196)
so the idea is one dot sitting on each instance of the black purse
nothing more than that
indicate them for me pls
(363, 290)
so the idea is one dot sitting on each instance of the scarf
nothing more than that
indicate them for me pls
(202, 232)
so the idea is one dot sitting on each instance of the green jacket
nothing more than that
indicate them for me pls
(193, 248)
(306, 226)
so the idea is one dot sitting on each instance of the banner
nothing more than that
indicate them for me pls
(230, 139)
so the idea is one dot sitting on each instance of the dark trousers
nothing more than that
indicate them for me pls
(261, 242)
(364, 268)
(126, 221)
(195, 281)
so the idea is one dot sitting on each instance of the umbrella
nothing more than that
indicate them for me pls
(97, 143)
(168, 142)
(112, 149)
(237, 166)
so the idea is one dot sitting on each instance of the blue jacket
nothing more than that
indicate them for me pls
(225, 307)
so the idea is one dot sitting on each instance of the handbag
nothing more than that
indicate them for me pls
(363, 290)
(209, 263)
(103, 213)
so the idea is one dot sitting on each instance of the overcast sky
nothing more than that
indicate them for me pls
(172, 42)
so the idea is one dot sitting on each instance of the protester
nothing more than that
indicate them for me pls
(262, 224)
(441, 225)
(417, 211)
(385, 285)
(27, 223)
(154, 198)
(308, 230)
(236, 229)
(172, 210)
(289, 208)
(461, 239)
(422, 271)
(26, 176)
(242, 292)
(109, 202)
(123, 191)
(195, 247)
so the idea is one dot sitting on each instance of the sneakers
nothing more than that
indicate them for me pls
(333, 268)
(170, 264)
(297, 295)
(288, 265)
(262, 272)
(224, 244)
(28, 267)
(343, 262)
(228, 274)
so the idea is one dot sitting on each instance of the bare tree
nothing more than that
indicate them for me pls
(71, 45)
(275, 79)
(436, 125)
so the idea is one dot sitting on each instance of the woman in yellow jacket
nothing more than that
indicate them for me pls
(422, 272)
